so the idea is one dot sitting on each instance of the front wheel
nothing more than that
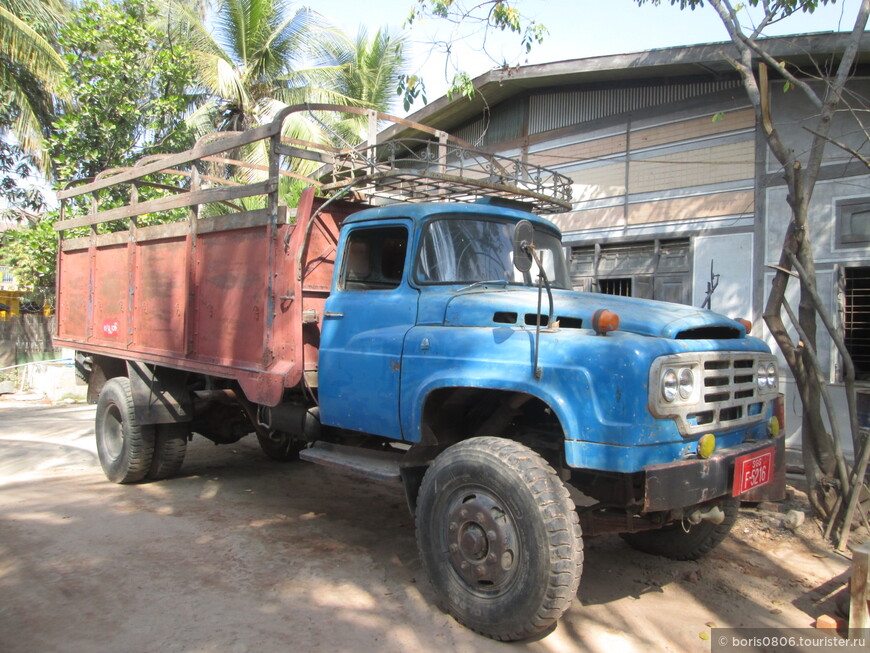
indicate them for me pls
(499, 538)
(679, 541)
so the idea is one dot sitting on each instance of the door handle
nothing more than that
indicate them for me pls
(332, 314)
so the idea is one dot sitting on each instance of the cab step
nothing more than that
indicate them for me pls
(377, 465)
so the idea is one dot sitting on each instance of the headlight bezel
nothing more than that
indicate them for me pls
(678, 384)
(686, 389)
(772, 375)
(669, 385)
(761, 377)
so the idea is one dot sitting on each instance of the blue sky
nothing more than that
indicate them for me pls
(578, 28)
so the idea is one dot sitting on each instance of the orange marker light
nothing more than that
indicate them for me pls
(746, 324)
(604, 321)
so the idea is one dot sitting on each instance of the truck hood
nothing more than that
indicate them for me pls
(503, 307)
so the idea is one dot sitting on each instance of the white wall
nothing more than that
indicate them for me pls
(731, 255)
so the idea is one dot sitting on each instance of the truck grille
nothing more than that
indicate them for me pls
(727, 393)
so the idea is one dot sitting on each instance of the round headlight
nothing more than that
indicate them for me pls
(761, 379)
(669, 385)
(686, 382)
(771, 375)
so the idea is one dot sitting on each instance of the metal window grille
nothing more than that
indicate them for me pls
(621, 287)
(856, 318)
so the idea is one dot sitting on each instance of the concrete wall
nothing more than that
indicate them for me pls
(729, 255)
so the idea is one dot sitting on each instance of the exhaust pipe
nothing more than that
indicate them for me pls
(713, 514)
(296, 419)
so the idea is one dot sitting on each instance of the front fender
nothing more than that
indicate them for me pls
(496, 358)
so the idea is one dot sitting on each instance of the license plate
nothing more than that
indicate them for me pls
(752, 470)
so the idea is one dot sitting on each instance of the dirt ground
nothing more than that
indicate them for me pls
(243, 554)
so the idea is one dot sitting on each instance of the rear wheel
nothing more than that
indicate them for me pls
(679, 541)
(125, 448)
(499, 538)
(170, 445)
(280, 446)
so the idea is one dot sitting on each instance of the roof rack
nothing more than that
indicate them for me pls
(417, 169)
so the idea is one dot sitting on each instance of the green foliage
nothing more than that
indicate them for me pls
(250, 62)
(409, 88)
(30, 67)
(367, 69)
(16, 165)
(461, 85)
(31, 251)
(129, 83)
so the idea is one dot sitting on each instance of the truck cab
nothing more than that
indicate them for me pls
(659, 416)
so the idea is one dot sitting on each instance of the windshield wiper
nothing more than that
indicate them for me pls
(500, 282)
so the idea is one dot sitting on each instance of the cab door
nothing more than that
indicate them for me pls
(365, 320)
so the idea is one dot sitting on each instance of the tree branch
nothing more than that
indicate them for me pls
(863, 159)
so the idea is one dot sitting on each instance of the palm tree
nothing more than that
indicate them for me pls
(367, 70)
(264, 56)
(256, 62)
(30, 68)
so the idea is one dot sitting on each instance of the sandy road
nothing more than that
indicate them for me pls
(242, 554)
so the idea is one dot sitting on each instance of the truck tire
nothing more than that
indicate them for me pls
(124, 447)
(499, 538)
(679, 543)
(281, 446)
(170, 445)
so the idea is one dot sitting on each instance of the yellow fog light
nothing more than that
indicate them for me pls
(706, 445)
(773, 426)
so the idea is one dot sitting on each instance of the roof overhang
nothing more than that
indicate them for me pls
(708, 59)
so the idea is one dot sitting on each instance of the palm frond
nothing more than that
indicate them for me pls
(23, 46)
(32, 116)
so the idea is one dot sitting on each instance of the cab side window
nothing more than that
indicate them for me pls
(374, 258)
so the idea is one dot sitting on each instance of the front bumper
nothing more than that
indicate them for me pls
(683, 483)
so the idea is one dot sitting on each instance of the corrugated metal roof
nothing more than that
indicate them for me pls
(562, 108)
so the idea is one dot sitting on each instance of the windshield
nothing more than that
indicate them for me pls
(463, 250)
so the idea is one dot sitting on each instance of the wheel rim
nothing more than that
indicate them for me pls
(482, 541)
(113, 432)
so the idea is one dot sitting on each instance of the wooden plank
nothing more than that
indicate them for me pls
(172, 202)
(320, 147)
(254, 166)
(859, 616)
(244, 220)
(110, 239)
(161, 231)
(72, 244)
(174, 160)
(300, 153)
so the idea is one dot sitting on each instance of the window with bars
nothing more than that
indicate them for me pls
(659, 269)
(621, 287)
(856, 318)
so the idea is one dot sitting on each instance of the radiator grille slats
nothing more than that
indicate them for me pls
(729, 392)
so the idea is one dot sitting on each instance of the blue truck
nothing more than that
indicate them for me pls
(434, 344)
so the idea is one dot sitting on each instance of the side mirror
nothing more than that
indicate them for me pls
(524, 234)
